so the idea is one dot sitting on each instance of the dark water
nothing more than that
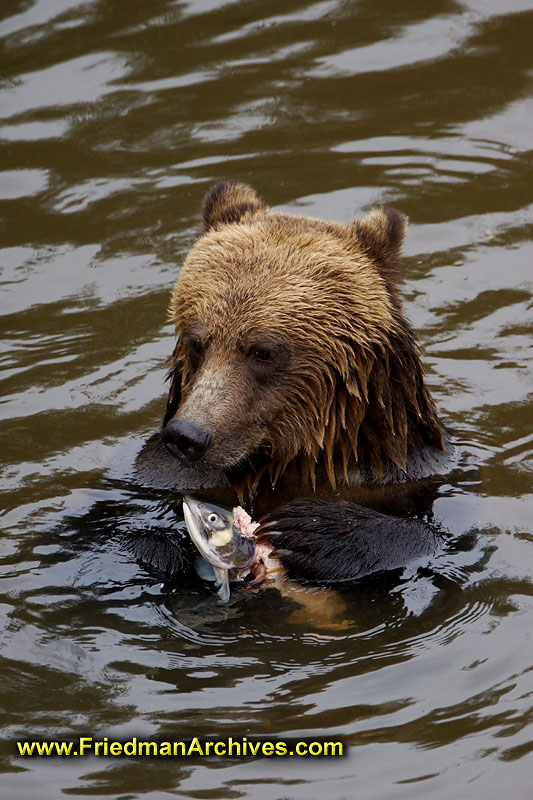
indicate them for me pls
(114, 120)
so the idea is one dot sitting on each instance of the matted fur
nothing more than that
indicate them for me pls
(352, 400)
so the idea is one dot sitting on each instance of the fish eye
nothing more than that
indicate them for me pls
(212, 518)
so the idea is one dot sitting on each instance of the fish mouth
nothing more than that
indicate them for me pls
(193, 520)
(190, 511)
(198, 532)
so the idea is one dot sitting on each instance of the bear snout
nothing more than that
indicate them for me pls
(185, 440)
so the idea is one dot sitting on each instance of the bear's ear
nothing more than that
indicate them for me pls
(381, 236)
(228, 202)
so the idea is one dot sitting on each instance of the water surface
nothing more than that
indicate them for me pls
(115, 118)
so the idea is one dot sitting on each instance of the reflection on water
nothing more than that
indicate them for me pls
(114, 120)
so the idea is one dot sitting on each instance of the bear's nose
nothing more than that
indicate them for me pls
(185, 441)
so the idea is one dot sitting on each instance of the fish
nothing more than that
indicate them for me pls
(236, 547)
(223, 537)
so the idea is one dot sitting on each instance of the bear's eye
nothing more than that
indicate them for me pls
(196, 350)
(267, 358)
(195, 345)
(261, 354)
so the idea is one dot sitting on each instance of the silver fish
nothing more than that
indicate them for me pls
(220, 542)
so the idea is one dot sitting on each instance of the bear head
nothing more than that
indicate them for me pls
(292, 347)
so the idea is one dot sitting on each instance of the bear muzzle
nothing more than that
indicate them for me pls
(185, 440)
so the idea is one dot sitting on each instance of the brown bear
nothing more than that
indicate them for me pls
(295, 371)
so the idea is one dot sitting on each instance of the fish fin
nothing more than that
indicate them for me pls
(224, 591)
(204, 570)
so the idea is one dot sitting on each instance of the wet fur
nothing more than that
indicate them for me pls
(301, 533)
(352, 404)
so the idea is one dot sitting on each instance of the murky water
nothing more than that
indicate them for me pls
(114, 120)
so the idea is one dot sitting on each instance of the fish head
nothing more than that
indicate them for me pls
(212, 530)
